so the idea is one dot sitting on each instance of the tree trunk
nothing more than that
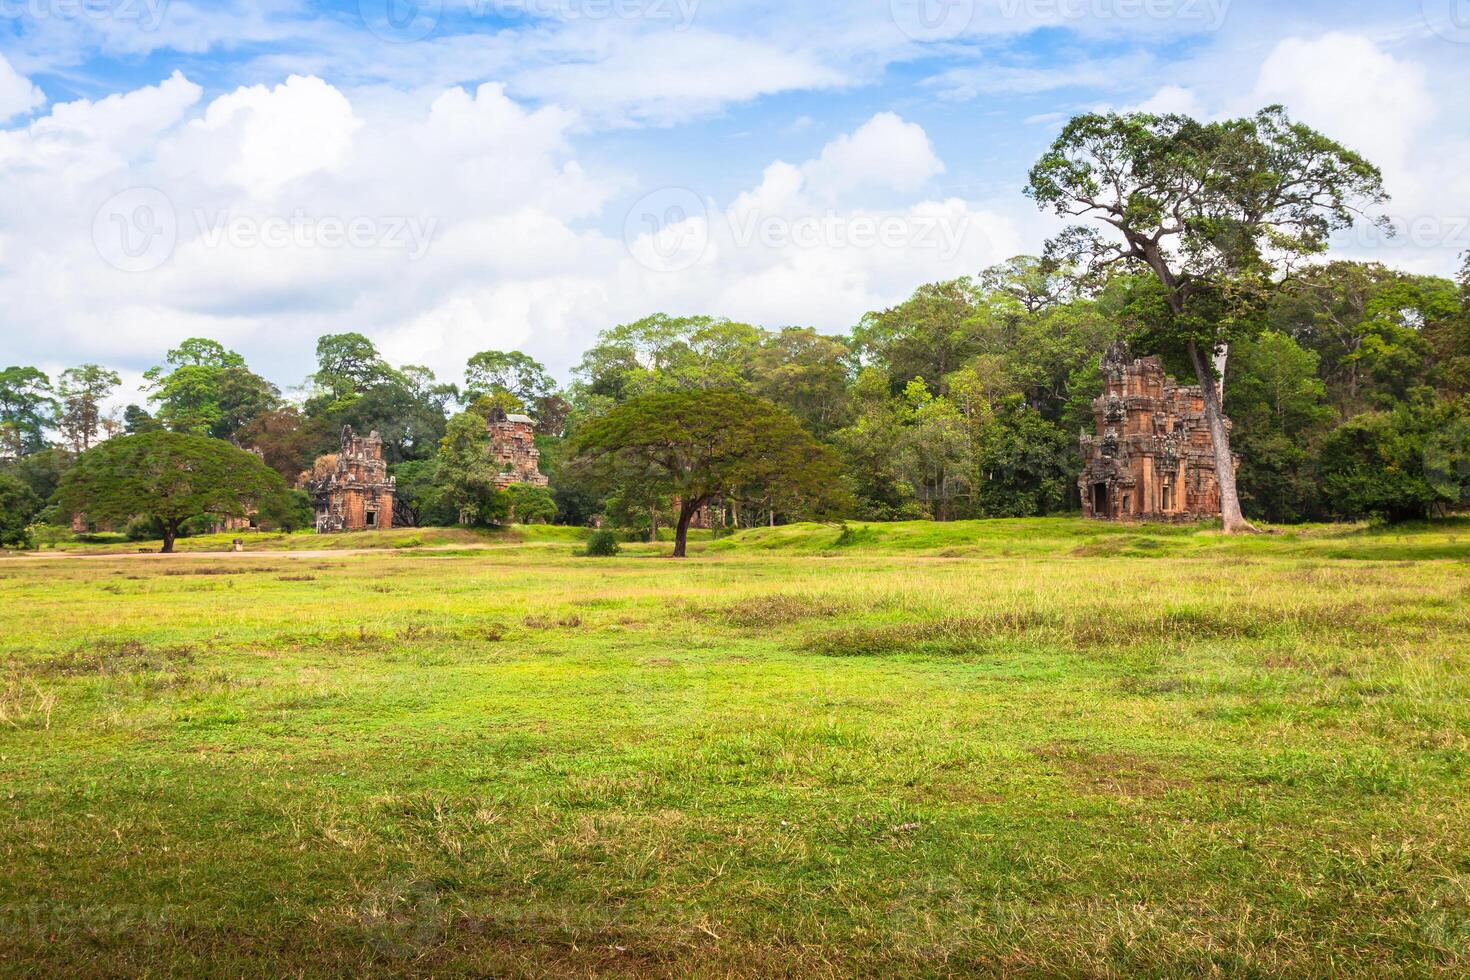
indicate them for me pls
(1230, 514)
(653, 525)
(687, 510)
(170, 531)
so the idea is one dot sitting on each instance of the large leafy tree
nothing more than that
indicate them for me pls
(929, 335)
(494, 371)
(205, 389)
(82, 391)
(1279, 406)
(27, 408)
(169, 476)
(347, 365)
(18, 505)
(465, 473)
(1400, 465)
(696, 445)
(806, 372)
(1214, 211)
(663, 353)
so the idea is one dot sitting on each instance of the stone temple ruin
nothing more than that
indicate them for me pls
(352, 490)
(513, 446)
(1152, 458)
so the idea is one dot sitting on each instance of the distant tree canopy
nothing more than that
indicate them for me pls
(696, 445)
(170, 476)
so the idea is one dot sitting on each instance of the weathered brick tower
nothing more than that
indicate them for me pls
(513, 445)
(1152, 458)
(352, 490)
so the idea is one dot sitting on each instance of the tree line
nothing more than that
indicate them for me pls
(1346, 382)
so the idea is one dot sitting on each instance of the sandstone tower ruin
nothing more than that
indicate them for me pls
(352, 490)
(1152, 458)
(513, 447)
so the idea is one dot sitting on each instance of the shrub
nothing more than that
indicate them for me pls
(144, 529)
(603, 544)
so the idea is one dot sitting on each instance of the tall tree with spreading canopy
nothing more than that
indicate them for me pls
(492, 371)
(27, 408)
(696, 445)
(170, 476)
(1215, 211)
(82, 391)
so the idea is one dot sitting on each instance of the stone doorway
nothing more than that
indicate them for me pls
(1100, 500)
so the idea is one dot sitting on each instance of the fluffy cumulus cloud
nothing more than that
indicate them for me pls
(439, 224)
(17, 93)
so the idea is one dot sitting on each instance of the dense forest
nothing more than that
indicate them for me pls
(1347, 394)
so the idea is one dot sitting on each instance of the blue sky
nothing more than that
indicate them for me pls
(469, 174)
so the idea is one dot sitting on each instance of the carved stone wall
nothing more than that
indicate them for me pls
(513, 446)
(351, 490)
(1152, 458)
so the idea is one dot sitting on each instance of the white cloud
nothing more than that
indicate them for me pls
(261, 139)
(884, 152)
(510, 237)
(17, 94)
(1352, 90)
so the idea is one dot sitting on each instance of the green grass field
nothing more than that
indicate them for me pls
(1027, 747)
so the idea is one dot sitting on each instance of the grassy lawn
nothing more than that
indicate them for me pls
(1028, 747)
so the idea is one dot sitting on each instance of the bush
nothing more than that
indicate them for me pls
(144, 529)
(603, 544)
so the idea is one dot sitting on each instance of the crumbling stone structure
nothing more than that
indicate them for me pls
(1153, 458)
(352, 490)
(513, 446)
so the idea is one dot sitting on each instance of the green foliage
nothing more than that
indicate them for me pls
(81, 391)
(144, 529)
(465, 474)
(27, 408)
(170, 476)
(206, 390)
(530, 504)
(1027, 465)
(698, 445)
(602, 544)
(347, 365)
(512, 372)
(18, 507)
(289, 511)
(1397, 466)
(929, 335)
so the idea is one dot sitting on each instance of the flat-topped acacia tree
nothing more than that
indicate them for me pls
(699, 445)
(170, 476)
(1215, 211)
